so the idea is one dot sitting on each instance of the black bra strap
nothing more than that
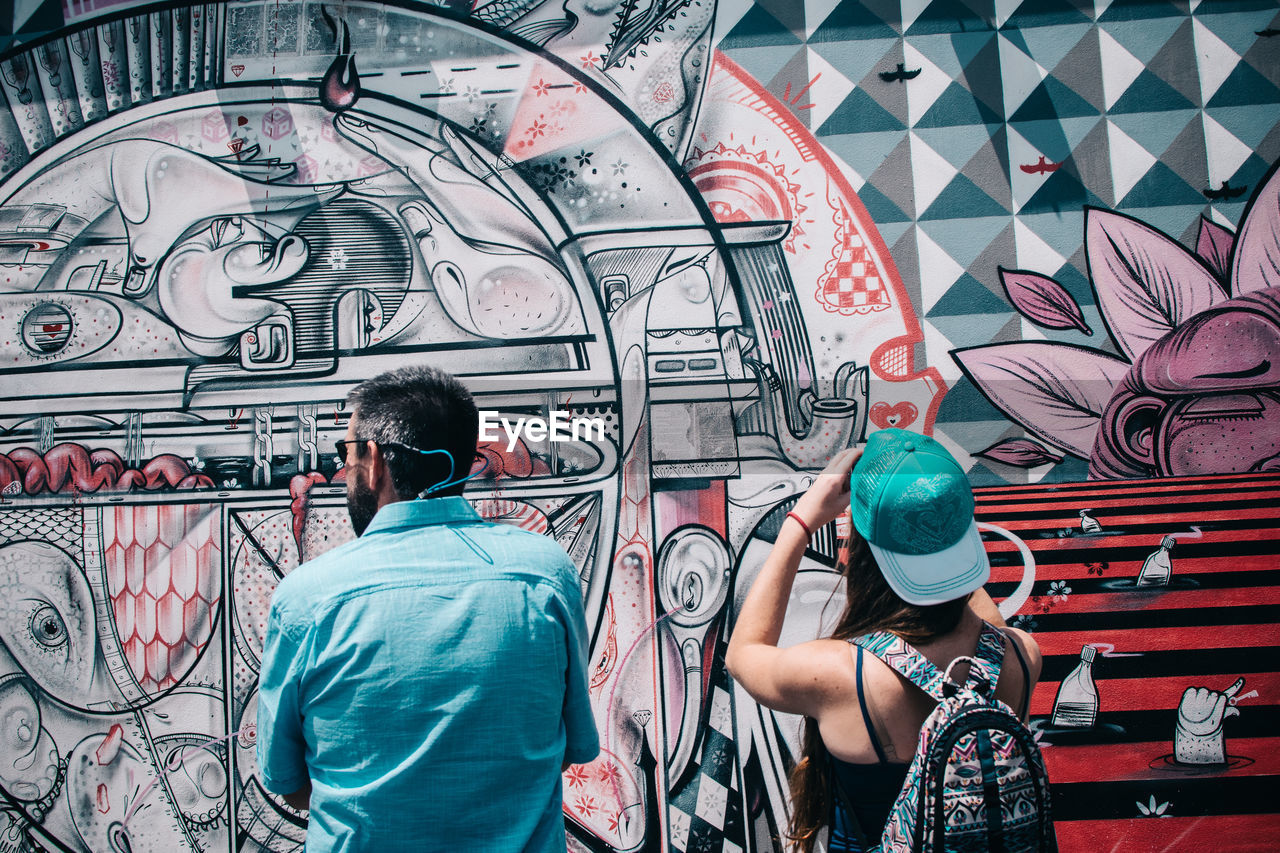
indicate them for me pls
(866, 715)
(1026, 677)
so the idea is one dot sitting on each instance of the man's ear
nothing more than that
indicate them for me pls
(380, 475)
(377, 467)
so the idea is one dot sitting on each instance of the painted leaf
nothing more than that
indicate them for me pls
(1257, 263)
(1042, 300)
(1147, 284)
(1021, 453)
(1213, 245)
(1056, 391)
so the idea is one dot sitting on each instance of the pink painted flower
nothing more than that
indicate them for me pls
(1195, 387)
(610, 774)
(576, 776)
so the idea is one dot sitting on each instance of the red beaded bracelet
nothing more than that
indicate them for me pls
(800, 521)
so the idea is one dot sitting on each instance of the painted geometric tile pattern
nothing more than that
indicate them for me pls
(978, 132)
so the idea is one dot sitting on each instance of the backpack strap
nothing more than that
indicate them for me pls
(901, 657)
(991, 648)
(990, 652)
(898, 654)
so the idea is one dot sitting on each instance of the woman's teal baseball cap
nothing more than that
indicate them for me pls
(912, 502)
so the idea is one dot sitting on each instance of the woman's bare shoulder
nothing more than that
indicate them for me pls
(1029, 648)
(833, 659)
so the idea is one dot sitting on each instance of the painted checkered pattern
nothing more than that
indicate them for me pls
(853, 284)
(707, 814)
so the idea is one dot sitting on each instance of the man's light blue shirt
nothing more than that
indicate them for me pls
(429, 679)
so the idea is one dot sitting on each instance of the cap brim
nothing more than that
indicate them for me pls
(924, 579)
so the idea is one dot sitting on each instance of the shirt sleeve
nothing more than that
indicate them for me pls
(582, 740)
(281, 746)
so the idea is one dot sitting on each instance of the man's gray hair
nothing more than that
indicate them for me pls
(415, 409)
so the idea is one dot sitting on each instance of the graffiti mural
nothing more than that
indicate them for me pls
(739, 235)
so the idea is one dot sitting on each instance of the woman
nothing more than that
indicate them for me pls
(914, 567)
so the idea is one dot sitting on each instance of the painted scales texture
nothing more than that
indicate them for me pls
(973, 754)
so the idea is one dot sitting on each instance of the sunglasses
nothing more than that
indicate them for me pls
(342, 444)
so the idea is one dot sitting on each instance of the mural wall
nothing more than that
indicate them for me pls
(744, 235)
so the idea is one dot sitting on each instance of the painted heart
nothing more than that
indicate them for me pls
(237, 70)
(900, 415)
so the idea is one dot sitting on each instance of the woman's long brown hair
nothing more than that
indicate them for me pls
(870, 605)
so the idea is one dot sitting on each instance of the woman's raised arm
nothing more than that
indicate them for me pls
(792, 679)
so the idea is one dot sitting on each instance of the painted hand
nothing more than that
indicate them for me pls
(1199, 738)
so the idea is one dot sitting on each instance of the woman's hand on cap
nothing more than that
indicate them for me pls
(828, 497)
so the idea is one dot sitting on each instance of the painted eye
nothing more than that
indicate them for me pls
(227, 231)
(47, 628)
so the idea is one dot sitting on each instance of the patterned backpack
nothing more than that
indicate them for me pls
(977, 782)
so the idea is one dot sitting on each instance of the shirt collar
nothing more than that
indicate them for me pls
(451, 509)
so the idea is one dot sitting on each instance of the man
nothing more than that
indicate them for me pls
(424, 686)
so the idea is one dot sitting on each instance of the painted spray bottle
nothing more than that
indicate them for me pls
(1076, 705)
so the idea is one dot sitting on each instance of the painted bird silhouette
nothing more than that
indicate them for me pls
(1041, 166)
(1225, 192)
(1267, 33)
(901, 75)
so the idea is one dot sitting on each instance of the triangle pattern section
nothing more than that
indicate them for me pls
(1170, 63)
(947, 16)
(1161, 186)
(1148, 94)
(859, 113)
(758, 28)
(1046, 13)
(962, 199)
(1081, 70)
(852, 21)
(1053, 99)
(955, 107)
(1245, 85)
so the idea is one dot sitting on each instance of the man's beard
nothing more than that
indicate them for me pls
(362, 505)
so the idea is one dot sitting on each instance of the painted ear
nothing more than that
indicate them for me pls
(1134, 425)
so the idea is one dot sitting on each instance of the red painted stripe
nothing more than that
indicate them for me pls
(1160, 639)
(1137, 486)
(1046, 571)
(1049, 547)
(1117, 524)
(1164, 693)
(1216, 833)
(1130, 600)
(1114, 513)
(1121, 762)
(1094, 498)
